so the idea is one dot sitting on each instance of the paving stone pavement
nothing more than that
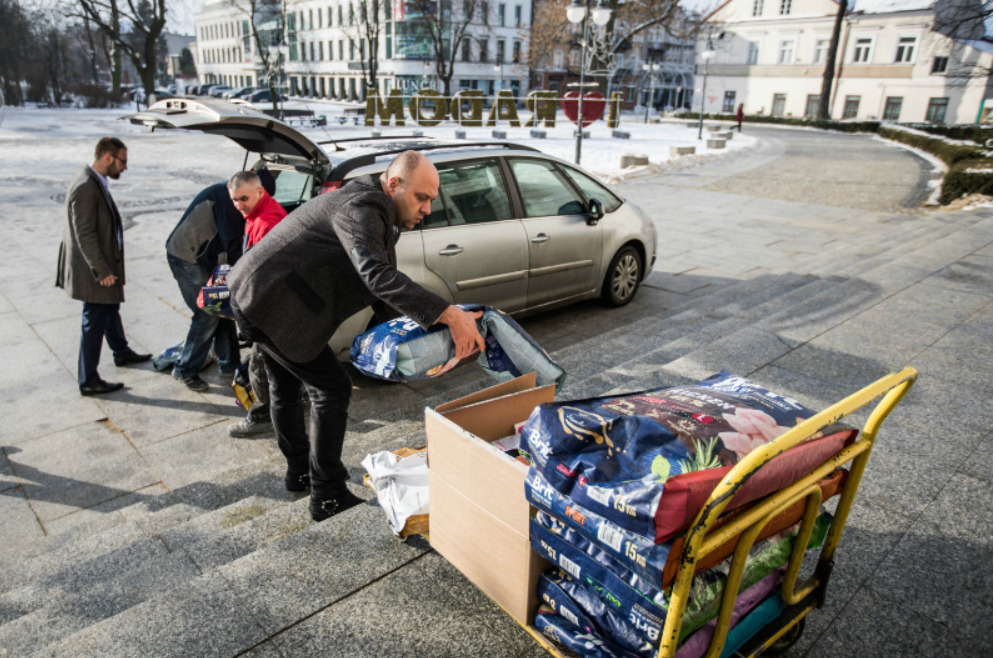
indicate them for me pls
(132, 524)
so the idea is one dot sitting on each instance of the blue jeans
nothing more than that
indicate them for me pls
(204, 328)
(100, 321)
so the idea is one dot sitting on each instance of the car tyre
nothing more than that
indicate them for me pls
(623, 277)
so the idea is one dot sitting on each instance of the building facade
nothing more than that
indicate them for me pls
(327, 42)
(891, 63)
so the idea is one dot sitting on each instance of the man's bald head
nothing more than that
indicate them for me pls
(412, 183)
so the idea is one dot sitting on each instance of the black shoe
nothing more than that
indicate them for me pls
(130, 357)
(297, 481)
(196, 384)
(248, 427)
(322, 509)
(99, 387)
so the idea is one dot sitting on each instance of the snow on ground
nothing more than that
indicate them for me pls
(600, 154)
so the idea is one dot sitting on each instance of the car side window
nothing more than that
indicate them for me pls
(293, 187)
(592, 189)
(544, 190)
(437, 213)
(471, 192)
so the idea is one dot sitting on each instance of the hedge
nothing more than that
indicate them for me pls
(970, 168)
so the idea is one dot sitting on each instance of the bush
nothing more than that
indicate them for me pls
(823, 124)
(967, 177)
(950, 153)
(978, 134)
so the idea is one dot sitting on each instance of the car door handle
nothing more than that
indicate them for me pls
(540, 239)
(451, 250)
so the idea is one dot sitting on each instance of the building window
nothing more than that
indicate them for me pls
(820, 54)
(813, 105)
(484, 50)
(518, 15)
(785, 8)
(321, 49)
(752, 49)
(940, 65)
(786, 51)
(936, 110)
(778, 105)
(501, 15)
(465, 50)
(892, 106)
(558, 60)
(862, 49)
(516, 51)
(905, 50)
(758, 7)
(500, 51)
(851, 106)
(341, 55)
(729, 100)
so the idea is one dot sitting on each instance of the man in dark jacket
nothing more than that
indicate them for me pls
(91, 264)
(208, 234)
(329, 259)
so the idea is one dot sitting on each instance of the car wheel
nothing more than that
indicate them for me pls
(622, 278)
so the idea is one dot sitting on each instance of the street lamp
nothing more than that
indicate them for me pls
(651, 68)
(707, 54)
(578, 11)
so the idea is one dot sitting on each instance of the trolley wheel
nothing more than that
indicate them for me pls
(786, 641)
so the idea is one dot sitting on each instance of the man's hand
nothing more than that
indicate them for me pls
(463, 329)
(108, 281)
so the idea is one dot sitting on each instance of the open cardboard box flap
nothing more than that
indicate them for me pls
(479, 516)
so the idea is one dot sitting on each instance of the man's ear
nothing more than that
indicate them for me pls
(393, 184)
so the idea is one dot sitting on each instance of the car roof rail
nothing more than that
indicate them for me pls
(340, 170)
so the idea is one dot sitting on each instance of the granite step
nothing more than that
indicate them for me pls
(234, 606)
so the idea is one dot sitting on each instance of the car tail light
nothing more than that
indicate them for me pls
(331, 185)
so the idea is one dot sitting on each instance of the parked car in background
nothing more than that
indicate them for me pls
(219, 90)
(237, 92)
(512, 227)
(263, 96)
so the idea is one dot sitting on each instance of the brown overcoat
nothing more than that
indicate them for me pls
(92, 245)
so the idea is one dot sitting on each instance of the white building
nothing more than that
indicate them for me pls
(327, 47)
(891, 64)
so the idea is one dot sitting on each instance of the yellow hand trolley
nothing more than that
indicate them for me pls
(799, 598)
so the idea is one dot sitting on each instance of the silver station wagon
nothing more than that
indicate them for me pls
(512, 227)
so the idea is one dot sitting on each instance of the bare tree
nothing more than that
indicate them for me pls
(14, 25)
(367, 20)
(133, 28)
(963, 19)
(266, 41)
(552, 32)
(444, 24)
(828, 69)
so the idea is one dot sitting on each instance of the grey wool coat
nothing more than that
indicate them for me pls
(325, 261)
(92, 245)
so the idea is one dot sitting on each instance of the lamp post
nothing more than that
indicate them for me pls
(651, 68)
(707, 54)
(578, 11)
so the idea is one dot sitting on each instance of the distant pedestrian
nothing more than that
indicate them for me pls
(740, 117)
(208, 234)
(91, 264)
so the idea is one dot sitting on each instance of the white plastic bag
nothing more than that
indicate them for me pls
(401, 483)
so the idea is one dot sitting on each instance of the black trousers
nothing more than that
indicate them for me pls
(100, 321)
(316, 450)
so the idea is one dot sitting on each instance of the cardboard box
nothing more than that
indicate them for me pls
(479, 517)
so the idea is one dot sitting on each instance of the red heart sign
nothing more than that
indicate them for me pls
(593, 107)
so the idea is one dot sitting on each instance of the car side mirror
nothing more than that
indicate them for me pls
(595, 211)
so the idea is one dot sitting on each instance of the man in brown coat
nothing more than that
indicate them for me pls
(91, 264)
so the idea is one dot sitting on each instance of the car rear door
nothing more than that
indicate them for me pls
(565, 252)
(471, 239)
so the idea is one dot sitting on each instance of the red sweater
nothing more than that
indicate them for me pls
(263, 217)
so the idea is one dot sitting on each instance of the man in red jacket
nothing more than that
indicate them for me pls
(262, 213)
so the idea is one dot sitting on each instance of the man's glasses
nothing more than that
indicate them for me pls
(123, 161)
